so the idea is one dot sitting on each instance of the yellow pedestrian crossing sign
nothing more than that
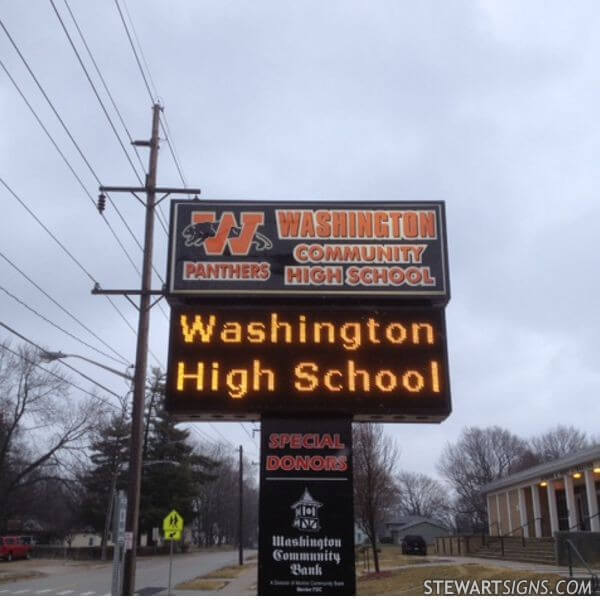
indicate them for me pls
(173, 526)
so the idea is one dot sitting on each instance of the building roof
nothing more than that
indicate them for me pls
(412, 521)
(547, 470)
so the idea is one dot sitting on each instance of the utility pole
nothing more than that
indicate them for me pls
(141, 359)
(141, 365)
(241, 523)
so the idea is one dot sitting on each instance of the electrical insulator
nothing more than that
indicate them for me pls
(101, 203)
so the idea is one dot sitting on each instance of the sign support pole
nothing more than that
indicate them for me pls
(120, 508)
(170, 566)
(241, 510)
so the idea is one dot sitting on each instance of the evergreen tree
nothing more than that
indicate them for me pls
(173, 473)
(107, 473)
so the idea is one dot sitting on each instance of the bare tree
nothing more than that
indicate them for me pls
(216, 505)
(480, 456)
(42, 429)
(558, 442)
(375, 461)
(421, 495)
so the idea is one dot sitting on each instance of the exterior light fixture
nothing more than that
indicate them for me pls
(596, 469)
(576, 475)
(543, 484)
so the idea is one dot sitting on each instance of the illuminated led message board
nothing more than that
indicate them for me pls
(245, 362)
(337, 249)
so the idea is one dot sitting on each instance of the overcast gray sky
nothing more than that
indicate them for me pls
(490, 106)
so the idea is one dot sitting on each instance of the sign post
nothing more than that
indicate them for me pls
(120, 515)
(173, 528)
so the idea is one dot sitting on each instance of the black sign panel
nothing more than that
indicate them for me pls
(306, 525)
(243, 362)
(379, 249)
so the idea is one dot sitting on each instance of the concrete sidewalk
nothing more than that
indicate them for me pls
(243, 585)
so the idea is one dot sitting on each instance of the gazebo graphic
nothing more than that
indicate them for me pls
(305, 513)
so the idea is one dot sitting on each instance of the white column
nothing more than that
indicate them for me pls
(489, 511)
(510, 523)
(552, 507)
(523, 512)
(498, 522)
(592, 500)
(537, 510)
(571, 506)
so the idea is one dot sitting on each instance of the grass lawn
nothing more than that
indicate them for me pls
(409, 581)
(390, 557)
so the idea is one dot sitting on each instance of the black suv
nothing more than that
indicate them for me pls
(414, 544)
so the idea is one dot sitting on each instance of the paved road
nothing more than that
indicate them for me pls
(152, 572)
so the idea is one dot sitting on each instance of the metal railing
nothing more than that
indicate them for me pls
(582, 521)
(522, 527)
(593, 577)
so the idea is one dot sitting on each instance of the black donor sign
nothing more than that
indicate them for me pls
(306, 538)
(243, 362)
(394, 249)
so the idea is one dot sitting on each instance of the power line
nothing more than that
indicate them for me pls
(105, 85)
(67, 252)
(37, 366)
(116, 108)
(67, 131)
(141, 49)
(74, 173)
(164, 126)
(203, 433)
(62, 362)
(220, 434)
(250, 436)
(78, 321)
(132, 262)
(137, 58)
(71, 335)
(39, 222)
(112, 125)
(167, 132)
